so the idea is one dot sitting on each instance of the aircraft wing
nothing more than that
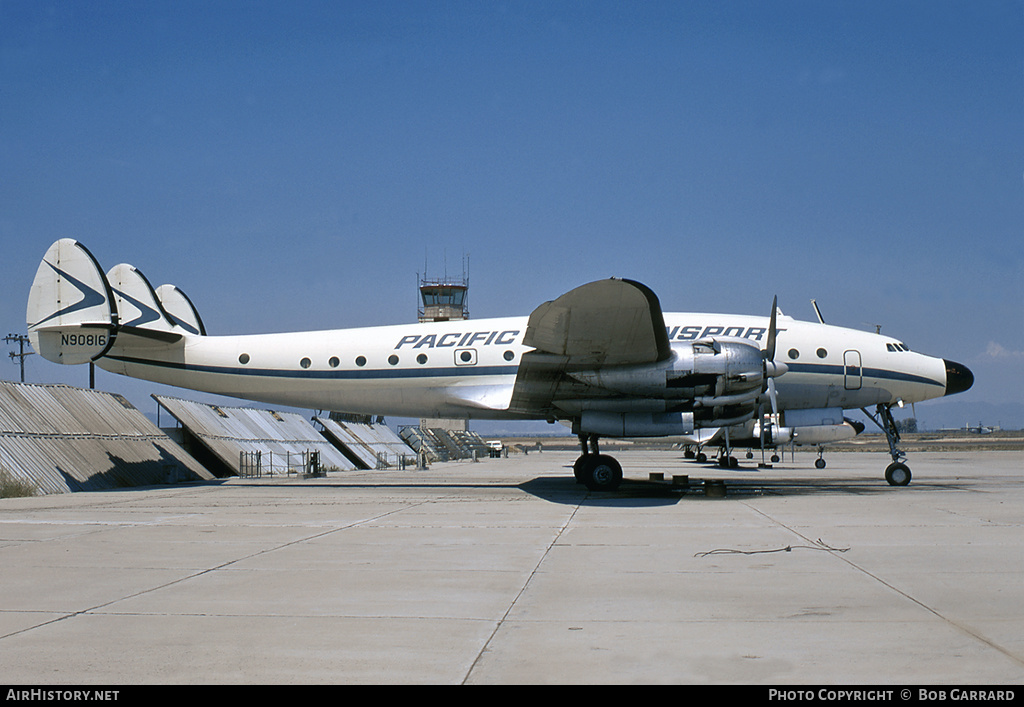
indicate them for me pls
(605, 323)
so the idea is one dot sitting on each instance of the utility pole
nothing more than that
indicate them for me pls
(22, 340)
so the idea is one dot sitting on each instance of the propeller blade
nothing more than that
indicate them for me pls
(769, 352)
(772, 396)
(761, 424)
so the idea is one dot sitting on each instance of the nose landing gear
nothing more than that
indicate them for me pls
(897, 473)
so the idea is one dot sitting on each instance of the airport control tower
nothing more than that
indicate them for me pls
(441, 301)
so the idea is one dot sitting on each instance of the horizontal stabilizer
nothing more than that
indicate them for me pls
(180, 309)
(71, 314)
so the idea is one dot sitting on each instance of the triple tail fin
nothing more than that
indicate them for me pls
(75, 312)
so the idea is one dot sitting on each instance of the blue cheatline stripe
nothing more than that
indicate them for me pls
(451, 371)
(371, 374)
(882, 373)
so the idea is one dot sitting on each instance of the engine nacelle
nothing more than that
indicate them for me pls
(634, 424)
(810, 427)
(707, 369)
(823, 434)
(813, 417)
(773, 434)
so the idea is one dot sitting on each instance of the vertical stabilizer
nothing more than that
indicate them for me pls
(135, 300)
(180, 309)
(71, 314)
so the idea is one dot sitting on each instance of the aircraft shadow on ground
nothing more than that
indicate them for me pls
(642, 492)
(636, 492)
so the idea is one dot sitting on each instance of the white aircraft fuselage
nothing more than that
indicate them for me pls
(603, 357)
(467, 368)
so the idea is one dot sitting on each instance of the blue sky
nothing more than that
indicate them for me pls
(295, 165)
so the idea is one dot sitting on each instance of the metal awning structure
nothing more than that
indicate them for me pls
(61, 438)
(283, 440)
(439, 444)
(369, 446)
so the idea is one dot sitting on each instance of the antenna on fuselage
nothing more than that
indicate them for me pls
(814, 303)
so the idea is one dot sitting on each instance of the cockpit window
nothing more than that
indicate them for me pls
(898, 346)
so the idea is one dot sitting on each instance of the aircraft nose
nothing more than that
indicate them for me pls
(958, 377)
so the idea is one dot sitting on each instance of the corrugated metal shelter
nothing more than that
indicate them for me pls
(424, 442)
(282, 440)
(464, 444)
(369, 446)
(61, 438)
(439, 444)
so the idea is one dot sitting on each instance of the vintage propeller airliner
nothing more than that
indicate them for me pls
(602, 357)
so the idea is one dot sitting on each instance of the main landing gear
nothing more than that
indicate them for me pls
(698, 456)
(596, 471)
(897, 473)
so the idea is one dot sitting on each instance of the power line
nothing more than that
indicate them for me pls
(22, 353)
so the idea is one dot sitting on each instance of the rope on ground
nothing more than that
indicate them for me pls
(789, 548)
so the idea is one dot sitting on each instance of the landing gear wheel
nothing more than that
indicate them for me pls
(577, 468)
(599, 472)
(819, 463)
(897, 474)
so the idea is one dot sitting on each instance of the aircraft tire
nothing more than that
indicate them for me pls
(577, 468)
(819, 463)
(897, 474)
(601, 472)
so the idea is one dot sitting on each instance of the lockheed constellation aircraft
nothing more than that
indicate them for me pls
(603, 358)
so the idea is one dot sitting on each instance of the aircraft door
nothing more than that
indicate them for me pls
(853, 373)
